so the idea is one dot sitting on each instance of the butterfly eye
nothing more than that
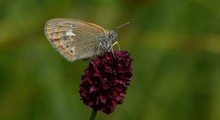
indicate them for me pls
(67, 46)
(73, 25)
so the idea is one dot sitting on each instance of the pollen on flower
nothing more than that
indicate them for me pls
(106, 81)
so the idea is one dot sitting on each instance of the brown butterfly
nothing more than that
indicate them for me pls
(76, 39)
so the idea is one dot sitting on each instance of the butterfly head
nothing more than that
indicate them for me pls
(113, 36)
(110, 39)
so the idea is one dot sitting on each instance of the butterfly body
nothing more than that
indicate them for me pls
(75, 39)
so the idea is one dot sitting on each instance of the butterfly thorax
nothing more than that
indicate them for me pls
(109, 39)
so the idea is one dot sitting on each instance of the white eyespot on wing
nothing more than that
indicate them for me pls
(70, 33)
(72, 51)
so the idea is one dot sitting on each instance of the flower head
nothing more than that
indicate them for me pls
(106, 81)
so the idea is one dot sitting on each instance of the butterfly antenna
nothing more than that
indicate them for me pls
(125, 24)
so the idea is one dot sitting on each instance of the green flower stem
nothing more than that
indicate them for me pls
(93, 114)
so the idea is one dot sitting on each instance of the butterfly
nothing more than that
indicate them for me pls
(76, 39)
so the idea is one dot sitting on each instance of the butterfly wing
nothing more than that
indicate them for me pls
(74, 39)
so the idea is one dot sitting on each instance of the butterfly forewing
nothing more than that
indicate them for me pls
(74, 39)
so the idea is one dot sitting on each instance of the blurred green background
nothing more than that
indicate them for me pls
(175, 45)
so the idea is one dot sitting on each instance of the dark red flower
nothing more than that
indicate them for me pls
(106, 81)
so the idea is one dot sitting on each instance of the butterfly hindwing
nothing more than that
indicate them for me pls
(74, 39)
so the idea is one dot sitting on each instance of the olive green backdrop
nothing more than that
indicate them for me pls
(175, 45)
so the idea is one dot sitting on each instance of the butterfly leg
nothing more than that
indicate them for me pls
(113, 52)
(115, 44)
